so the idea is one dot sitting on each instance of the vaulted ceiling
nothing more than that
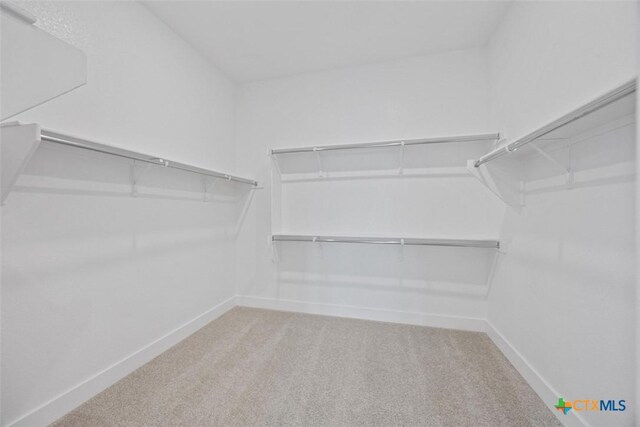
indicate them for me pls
(256, 40)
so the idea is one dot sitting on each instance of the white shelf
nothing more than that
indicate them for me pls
(549, 151)
(20, 141)
(384, 158)
(378, 240)
(615, 104)
(395, 143)
(416, 158)
(71, 141)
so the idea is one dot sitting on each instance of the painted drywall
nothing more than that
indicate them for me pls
(439, 95)
(257, 40)
(101, 275)
(92, 275)
(549, 58)
(563, 296)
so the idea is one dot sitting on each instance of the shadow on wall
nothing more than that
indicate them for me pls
(92, 274)
(88, 204)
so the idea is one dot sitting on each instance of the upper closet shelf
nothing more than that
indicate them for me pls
(595, 136)
(421, 156)
(20, 141)
(396, 143)
(377, 240)
(58, 138)
(616, 104)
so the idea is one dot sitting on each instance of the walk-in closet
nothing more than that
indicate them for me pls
(319, 213)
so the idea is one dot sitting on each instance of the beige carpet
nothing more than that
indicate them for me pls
(259, 368)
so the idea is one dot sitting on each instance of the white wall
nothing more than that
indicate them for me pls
(90, 274)
(549, 58)
(439, 95)
(563, 296)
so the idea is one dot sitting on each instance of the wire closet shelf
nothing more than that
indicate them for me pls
(408, 241)
(584, 112)
(394, 143)
(71, 141)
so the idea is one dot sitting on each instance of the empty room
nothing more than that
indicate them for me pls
(319, 213)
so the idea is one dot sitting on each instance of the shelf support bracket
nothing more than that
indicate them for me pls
(549, 157)
(137, 171)
(501, 186)
(275, 257)
(207, 186)
(318, 160)
(492, 271)
(567, 170)
(401, 167)
(274, 159)
(18, 144)
(570, 174)
(320, 246)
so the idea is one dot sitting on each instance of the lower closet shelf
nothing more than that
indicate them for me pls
(468, 243)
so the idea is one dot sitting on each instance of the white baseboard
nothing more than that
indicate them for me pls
(541, 386)
(392, 316)
(59, 406)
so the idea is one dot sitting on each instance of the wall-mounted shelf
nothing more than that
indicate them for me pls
(19, 143)
(612, 105)
(390, 157)
(36, 66)
(505, 170)
(404, 241)
(351, 166)
(58, 138)
(396, 143)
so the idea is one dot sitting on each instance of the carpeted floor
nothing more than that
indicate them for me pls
(258, 368)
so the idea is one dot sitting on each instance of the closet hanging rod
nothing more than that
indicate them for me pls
(467, 243)
(464, 138)
(57, 138)
(593, 106)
